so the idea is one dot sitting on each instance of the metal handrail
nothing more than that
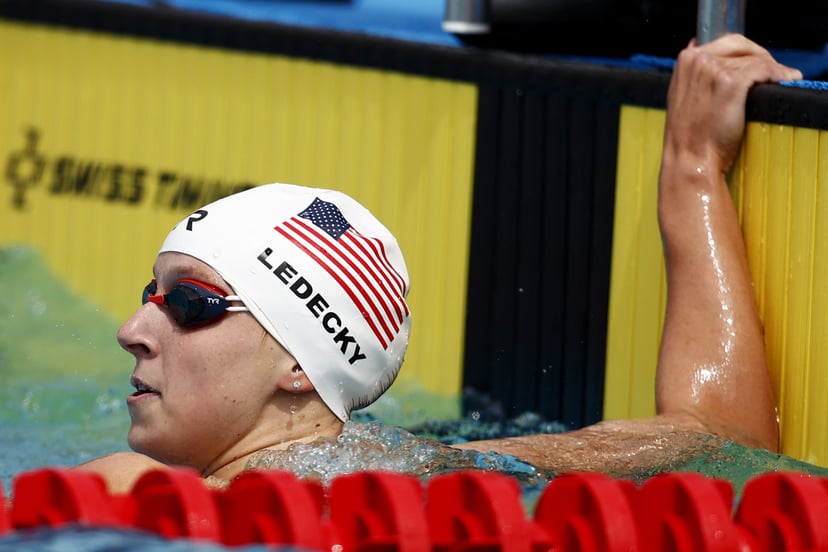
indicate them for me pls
(718, 17)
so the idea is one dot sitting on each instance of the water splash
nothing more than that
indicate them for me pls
(375, 446)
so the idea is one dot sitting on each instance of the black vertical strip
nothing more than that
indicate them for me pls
(477, 372)
(605, 154)
(503, 342)
(542, 223)
(576, 260)
(552, 321)
(529, 243)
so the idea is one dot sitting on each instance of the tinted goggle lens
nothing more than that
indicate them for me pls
(192, 303)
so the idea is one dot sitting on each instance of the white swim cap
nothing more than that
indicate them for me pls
(320, 273)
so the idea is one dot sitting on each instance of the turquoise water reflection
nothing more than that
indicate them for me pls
(63, 381)
(60, 423)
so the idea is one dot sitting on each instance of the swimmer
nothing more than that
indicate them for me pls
(275, 312)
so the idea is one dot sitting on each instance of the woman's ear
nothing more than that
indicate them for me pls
(295, 381)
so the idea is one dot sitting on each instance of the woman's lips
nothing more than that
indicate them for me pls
(142, 389)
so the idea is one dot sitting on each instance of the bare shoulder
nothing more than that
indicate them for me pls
(121, 469)
(615, 447)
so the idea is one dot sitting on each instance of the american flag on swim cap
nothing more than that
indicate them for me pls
(357, 263)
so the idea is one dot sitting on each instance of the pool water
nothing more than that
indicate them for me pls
(64, 380)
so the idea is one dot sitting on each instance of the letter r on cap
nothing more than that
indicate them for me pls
(195, 217)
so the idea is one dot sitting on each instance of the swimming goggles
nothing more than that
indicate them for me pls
(193, 303)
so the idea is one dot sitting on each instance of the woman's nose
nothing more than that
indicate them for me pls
(135, 335)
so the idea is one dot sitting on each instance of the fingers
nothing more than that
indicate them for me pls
(707, 95)
(738, 52)
(734, 44)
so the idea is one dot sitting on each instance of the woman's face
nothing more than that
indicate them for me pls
(200, 392)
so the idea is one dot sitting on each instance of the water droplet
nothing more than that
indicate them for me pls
(475, 415)
(38, 308)
(293, 409)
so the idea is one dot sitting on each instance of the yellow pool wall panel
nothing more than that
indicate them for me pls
(108, 141)
(637, 285)
(780, 187)
(786, 230)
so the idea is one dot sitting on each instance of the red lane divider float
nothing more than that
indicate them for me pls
(786, 511)
(459, 512)
(687, 513)
(174, 504)
(273, 507)
(5, 522)
(589, 512)
(479, 511)
(379, 512)
(55, 497)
